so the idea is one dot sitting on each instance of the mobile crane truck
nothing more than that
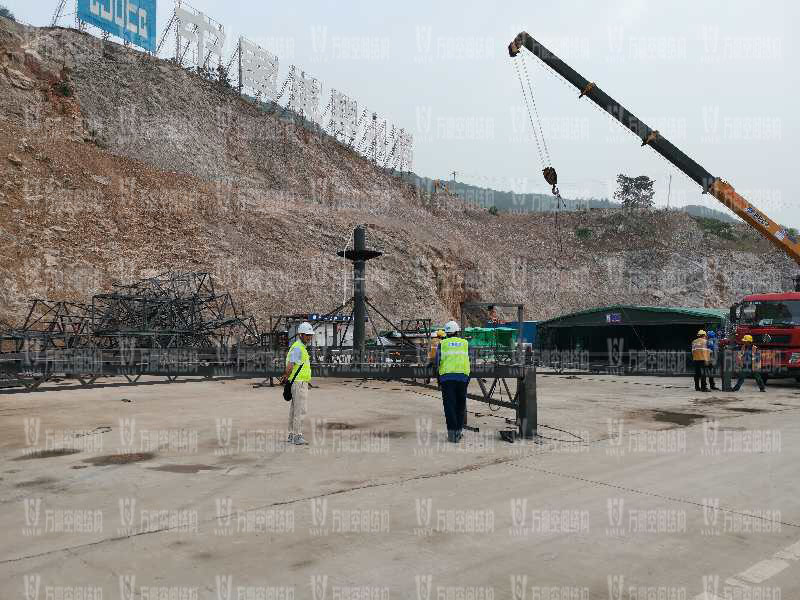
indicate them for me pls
(772, 319)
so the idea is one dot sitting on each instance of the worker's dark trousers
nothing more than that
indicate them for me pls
(454, 399)
(700, 375)
(744, 374)
(710, 372)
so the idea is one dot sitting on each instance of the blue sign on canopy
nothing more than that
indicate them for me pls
(131, 20)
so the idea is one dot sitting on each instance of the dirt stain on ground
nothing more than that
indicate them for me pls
(48, 453)
(120, 459)
(338, 425)
(714, 400)
(747, 410)
(39, 481)
(184, 468)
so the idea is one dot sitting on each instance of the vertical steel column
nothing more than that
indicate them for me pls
(726, 363)
(359, 294)
(527, 409)
(520, 345)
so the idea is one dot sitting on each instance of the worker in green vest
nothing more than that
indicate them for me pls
(452, 358)
(298, 371)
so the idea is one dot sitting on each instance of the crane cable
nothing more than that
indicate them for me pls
(549, 173)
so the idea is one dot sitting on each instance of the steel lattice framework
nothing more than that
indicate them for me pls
(172, 310)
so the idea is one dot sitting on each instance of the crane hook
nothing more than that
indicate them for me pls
(551, 177)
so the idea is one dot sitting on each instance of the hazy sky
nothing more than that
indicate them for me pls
(717, 77)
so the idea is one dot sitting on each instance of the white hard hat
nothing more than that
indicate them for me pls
(451, 327)
(305, 328)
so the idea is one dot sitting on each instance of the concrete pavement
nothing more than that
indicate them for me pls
(639, 488)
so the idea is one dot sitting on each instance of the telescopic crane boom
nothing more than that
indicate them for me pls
(720, 189)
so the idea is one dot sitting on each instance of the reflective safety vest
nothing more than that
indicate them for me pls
(700, 349)
(749, 359)
(305, 369)
(454, 356)
(434, 345)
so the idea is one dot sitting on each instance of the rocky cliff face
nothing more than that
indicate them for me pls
(115, 165)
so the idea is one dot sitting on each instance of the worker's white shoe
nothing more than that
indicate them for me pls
(299, 440)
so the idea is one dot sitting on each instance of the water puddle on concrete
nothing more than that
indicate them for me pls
(676, 418)
(184, 468)
(48, 453)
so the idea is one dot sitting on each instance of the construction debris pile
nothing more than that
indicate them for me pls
(173, 310)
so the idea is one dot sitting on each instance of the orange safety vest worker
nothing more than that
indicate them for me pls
(700, 349)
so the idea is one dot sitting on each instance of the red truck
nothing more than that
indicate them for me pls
(774, 322)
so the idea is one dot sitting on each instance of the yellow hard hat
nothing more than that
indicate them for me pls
(747, 338)
(701, 333)
(440, 333)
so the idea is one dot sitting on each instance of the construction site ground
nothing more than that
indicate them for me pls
(638, 483)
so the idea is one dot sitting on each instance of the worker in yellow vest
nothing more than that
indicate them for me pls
(748, 361)
(452, 358)
(435, 340)
(298, 372)
(701, 357)
(433, 352)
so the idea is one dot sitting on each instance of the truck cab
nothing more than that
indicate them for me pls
(774, 322)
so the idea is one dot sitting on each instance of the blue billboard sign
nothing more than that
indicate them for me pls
(131, 20)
